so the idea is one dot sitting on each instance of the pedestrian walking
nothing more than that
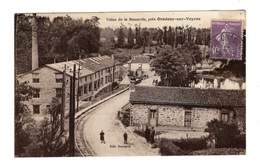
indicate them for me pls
(152, 135)
(147, 134)
(102, 137)
(125, 138)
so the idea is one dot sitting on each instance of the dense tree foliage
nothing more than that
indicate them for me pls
(173, 65)
(61, 39)
(130, 38)
(226, 134)
(23, 119)
(52, 140)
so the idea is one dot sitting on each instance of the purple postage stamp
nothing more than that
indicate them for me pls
(226, 39)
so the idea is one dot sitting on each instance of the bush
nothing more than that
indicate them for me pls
(191, 144)
(227, 134)
(220, 151)
(169, 148)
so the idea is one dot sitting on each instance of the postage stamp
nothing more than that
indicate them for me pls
(226, 39)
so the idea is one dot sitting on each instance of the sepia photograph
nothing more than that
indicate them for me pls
(130, 83)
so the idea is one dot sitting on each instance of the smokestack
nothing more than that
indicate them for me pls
(35, 63)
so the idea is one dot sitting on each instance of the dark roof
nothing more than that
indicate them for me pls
(141, 59)
(187, 96)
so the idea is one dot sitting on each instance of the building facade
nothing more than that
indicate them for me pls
(140, 65)
(186, 107)
(92, 74)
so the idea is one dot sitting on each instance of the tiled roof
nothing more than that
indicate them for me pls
(187, 96)
(69, 65)
(87, 66)
(98, 63)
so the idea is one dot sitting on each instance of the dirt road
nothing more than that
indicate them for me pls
(104, 118)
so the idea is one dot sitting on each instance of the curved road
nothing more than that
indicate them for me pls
(103, 117)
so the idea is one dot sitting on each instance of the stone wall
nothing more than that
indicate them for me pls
(139, 114)
(174, 115)
(200, 116)
(171, 115)
(47, 85)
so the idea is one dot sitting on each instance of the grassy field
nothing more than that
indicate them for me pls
(124, 55)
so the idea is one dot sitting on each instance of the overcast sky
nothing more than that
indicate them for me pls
(201, 19)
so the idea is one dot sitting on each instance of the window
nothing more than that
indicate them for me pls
(224, 117)
(48, 107)
(101, 81)
(80, 91)
(90, 86)
(110, 78)
(36, 109)
(58, 92)
(187, 119)
(95, 75)
(35, 78)
(59, 78)
(106, 80)
(95, 85)
(86, 78)
(86, 89)
(153, 112)
(36, 93)
(101, 72)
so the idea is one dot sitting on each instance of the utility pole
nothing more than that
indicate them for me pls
(72, 114)
(78, 85)
(63, 98)
(113, 72)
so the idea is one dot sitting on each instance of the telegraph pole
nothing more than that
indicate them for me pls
(63, 98)
(78, 85)
(72, 114)
(113, 73)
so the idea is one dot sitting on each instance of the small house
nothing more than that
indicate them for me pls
(186, 107)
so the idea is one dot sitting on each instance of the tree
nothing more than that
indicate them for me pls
(58, 40)
(121, 37)
(23, 43)
(170, 66)
(192, 53)
(130, 38)
(49, 140)
(23, 119)
(52, 140)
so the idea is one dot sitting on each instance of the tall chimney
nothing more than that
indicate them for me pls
(35, 63)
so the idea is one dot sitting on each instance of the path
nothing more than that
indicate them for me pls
(104, 118)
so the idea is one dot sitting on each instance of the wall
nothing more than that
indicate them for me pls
(47, 85)
(200, 116)
(174, 115)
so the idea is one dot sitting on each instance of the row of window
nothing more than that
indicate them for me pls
(86, 88)
(187, 117)
(59, 76)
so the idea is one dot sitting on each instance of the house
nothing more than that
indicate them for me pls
(140, 65)
(186, 107)
(92, 74)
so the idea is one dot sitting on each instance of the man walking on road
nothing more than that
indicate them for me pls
(125, 138)
(152, 135)
(147, 134)
(102, 137)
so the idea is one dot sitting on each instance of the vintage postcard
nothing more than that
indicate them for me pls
(130, 84)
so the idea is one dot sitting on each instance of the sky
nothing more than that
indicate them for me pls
(198, 19)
